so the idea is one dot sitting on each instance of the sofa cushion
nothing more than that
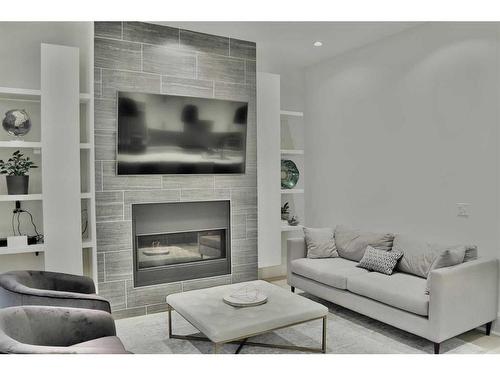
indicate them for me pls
(329, 271)
(320, 243)
(420, 257)
(380, 260)
(108, 344)
(400, 290)
(351, 244)
(471, 253)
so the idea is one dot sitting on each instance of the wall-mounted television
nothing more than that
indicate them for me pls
(170, 134)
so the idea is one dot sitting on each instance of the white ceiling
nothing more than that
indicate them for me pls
(286, 46)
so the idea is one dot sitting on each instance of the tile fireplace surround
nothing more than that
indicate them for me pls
(134, 56)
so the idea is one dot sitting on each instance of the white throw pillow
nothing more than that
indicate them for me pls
(320, 243)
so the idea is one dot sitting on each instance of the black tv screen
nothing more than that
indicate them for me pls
(169, 134)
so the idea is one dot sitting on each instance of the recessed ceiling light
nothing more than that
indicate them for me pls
(317, 44)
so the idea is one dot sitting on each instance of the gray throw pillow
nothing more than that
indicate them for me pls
(420, 257)
(379, 260)
(351, 244)
(447, 257)
(471, 253)
(320, 243)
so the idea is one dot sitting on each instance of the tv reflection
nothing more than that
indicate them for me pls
(166, 134)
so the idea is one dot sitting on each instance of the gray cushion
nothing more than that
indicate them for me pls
(471, 253)
(320, 243)
(58, 330)
(330, 271)
(380, 260)
(351, 244)
(108, 344)
(420, 257)
(400, 290)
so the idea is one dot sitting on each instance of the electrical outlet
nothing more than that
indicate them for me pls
(463, 209)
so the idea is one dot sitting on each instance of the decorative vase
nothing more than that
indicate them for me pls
(17, 122)
(17, 185)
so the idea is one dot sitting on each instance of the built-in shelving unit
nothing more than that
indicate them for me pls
(52, 201)
(279, 137)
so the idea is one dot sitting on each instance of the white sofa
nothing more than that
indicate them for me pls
(459, 298)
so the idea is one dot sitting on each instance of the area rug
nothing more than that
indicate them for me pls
(348, 333)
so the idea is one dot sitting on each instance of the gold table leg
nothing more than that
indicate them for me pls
(244, 341)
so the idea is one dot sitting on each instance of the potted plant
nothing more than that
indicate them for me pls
(285, 211)
(16, 169)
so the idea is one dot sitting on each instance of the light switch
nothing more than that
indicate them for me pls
(463, 209)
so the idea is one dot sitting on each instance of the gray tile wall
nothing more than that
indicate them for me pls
(136, 56)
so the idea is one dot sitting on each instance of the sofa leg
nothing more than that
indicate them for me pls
(488, 328)
(292, 289)
(436, 348)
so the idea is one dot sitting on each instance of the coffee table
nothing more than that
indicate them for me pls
(221, 323)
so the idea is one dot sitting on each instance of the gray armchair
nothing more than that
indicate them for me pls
(20, 288)
(57, 330)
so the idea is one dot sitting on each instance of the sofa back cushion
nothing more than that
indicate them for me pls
(351, 244)
(471, 253)
(320, 243)
(420, 257)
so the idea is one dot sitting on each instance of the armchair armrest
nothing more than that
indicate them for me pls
(45, 329)
(462, 297)
(296, 249)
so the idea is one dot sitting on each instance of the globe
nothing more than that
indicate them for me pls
(16, 122)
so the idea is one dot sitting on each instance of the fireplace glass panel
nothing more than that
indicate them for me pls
(157, 250)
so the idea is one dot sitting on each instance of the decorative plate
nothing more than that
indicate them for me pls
(245, 297)
(289, 174)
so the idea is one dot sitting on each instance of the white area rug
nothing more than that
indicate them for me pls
(348, 333)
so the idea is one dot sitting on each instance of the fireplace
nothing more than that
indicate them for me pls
(180, 241)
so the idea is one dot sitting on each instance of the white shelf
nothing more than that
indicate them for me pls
(292, 191)
(23, 197)
(86, 195)
(291, 228)
(40, 248)
(85, 146)
(20, 94)
(31, 94)
(291, 113)
(84, 97)
(20, 144)
(87, 244)
(292, 152)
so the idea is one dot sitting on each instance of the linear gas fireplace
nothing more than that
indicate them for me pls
(180, 241)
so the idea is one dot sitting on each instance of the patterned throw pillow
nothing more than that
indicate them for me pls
(380, 260)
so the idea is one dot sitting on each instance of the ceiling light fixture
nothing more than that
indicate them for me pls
(317, 44)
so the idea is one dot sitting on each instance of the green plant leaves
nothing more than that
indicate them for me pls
(17, 165)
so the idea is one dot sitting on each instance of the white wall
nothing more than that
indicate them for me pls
(20, 49)
(403, 129)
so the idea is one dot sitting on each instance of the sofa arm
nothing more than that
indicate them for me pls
(296, 249)
(462, 297)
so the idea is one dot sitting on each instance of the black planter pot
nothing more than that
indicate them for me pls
(17, 185)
